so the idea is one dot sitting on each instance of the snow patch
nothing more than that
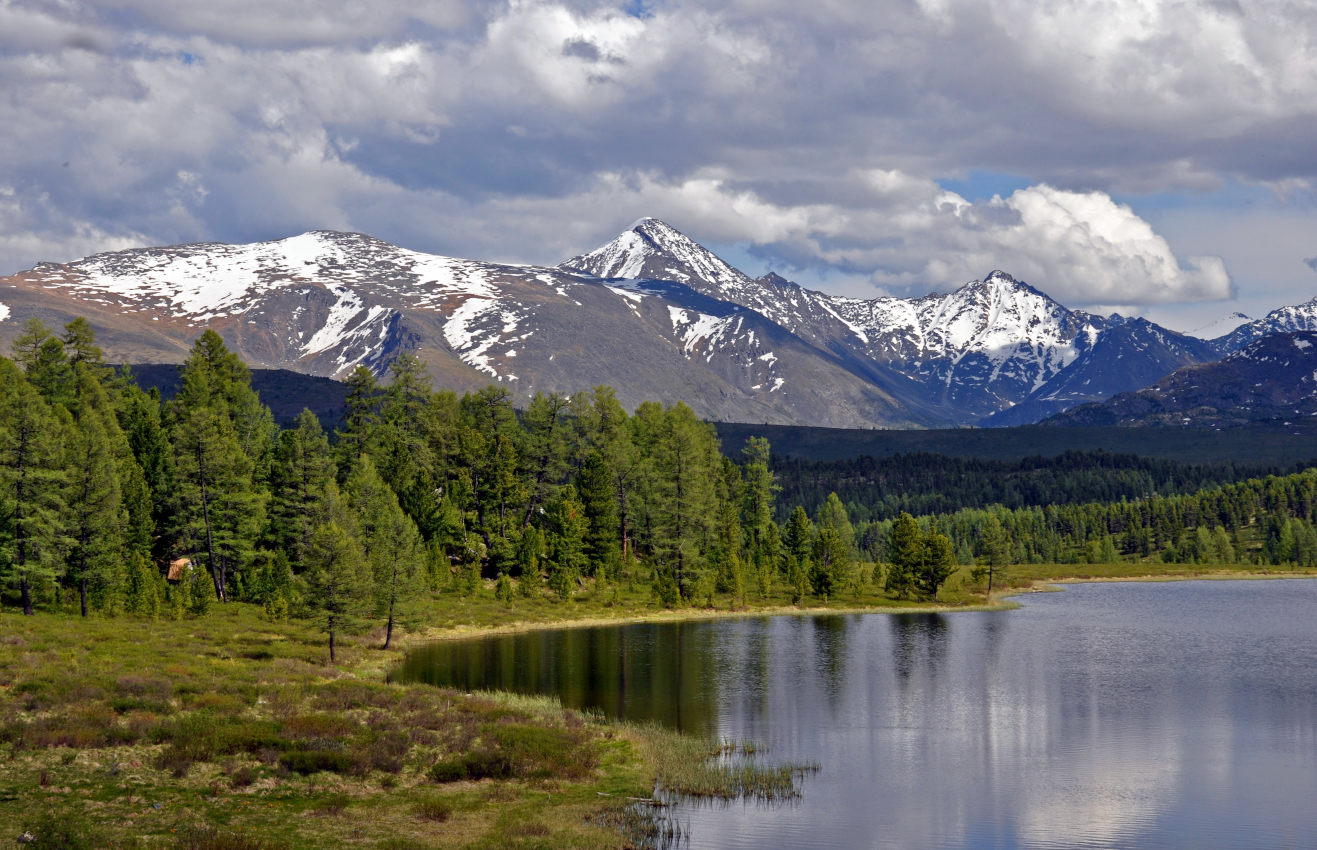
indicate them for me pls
(4, 312)
(468, 334)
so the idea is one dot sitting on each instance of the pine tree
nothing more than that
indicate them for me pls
(937, 565)
(906, 553)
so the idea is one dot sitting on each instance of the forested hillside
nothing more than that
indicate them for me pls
(105, 488)
(922, 483)
(116, 502)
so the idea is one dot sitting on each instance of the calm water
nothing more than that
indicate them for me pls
(1176, 715)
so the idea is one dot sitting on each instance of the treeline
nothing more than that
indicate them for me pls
(107, 491)
(922, 483)
(1268, 521)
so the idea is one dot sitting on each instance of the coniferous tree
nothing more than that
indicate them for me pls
(685, 469)
(905, 553)
(94, 519)
(565, 540)
(148, 490)
(45, 363)
(391, 544)
(545, 454)
(937, 565)
(757, 494)
(338, 578)
(220, 434)
(594, 486)
(219, 510)
(32, 481)
(301, 468)
(360, 418)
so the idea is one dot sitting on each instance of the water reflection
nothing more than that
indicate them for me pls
(1106, 716)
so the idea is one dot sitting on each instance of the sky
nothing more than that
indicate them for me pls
(1152, 157)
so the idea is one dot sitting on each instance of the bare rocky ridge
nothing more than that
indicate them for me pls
(651, 313)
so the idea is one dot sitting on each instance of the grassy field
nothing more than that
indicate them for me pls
(229, 731)
(232, 731)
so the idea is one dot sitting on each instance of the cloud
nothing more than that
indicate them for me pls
(1311, 262)
(529, 129)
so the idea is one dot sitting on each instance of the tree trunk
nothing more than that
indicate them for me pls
(26, 590)
(82, 589)
(205, 516)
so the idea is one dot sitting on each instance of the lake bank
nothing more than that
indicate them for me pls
(1115, 714)
(483, 620)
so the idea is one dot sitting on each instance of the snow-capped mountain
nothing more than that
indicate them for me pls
(324, 302)
(1272, 380)
(651, 313)
(991, 346)
(1300, 317)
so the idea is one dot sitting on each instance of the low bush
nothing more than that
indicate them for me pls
(307, 762)
(434, 809)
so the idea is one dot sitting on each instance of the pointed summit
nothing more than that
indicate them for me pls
(654, 250)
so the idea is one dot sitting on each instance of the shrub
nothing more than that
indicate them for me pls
(307, 762)
(206, 838)
(61, 830)
(521, 751)
(434, 809)
(332, 805)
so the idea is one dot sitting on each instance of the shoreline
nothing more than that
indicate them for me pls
(1002, 601)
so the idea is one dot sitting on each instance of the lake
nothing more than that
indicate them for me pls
(1168, 715)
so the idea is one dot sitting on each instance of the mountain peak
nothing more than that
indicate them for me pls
(772, 279)
(655, 250)
(999, 276)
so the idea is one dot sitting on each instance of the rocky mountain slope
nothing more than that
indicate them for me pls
(652, 313)
(1300, 317)
(1272, 380)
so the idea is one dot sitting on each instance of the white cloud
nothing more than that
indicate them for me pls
(30, 227)
(528, 129)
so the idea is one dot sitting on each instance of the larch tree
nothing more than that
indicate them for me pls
(686, 466)
(338, 578)
(32, 484)
(567, 527)
(301, 468)
(391, 544)
(94, 519)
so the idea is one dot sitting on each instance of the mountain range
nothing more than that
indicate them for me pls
(651, 313)
(1272, 380)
